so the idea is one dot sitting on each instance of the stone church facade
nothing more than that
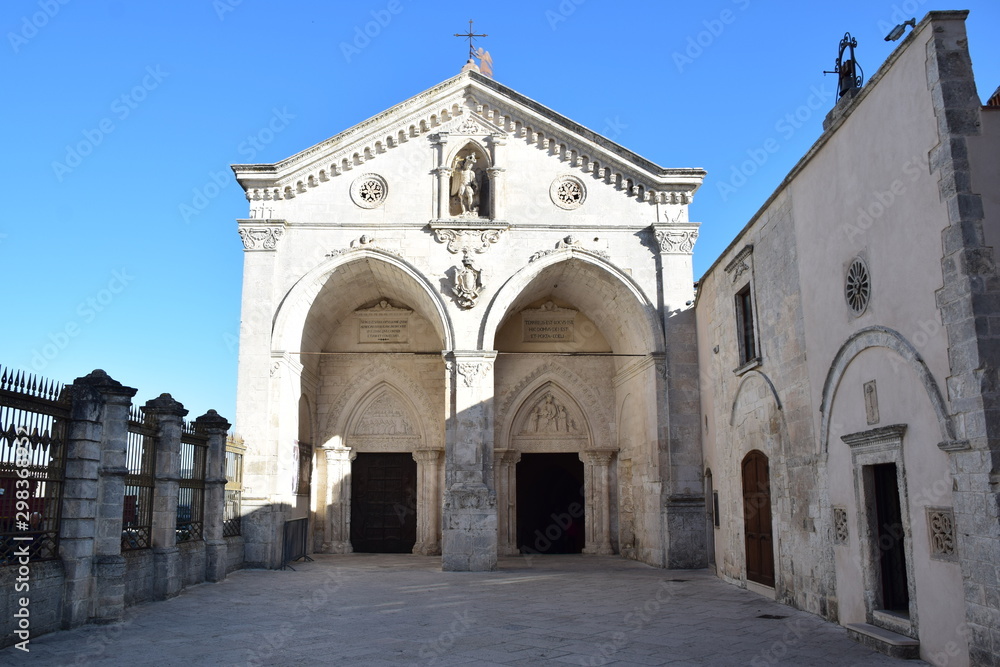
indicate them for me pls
(470, 329)
(463, 293)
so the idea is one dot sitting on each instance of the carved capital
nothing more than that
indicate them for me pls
(598, 457)
(260, 238)
(676, 238)
(428, 456)
(473, 372)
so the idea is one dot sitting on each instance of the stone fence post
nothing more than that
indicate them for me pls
(215, 427)
(93, 495)
(169, 415)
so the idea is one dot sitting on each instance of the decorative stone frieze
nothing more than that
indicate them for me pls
(468, 240)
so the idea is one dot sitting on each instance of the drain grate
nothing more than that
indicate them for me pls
(677, 581)
(773, 617)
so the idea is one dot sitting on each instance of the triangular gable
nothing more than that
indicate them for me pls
(473, 105)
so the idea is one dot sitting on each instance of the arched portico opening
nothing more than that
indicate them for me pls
(361, 337)
(574, 336)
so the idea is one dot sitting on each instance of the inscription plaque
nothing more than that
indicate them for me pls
(383, 324)
(548, 324)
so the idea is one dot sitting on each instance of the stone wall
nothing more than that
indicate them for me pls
(93, 579)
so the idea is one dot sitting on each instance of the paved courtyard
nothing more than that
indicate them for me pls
(364, 609)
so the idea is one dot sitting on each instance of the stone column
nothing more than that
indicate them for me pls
(443, 173)
(169, 415)
(428, 501)
(338, 500)
(597, 475)
(90, 530)
(469, 534)
(505, 475)
(215, 427)
(444, 192)
(498, 195)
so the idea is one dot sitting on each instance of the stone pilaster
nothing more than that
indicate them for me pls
(505, 481)
(469, 533)
(428, 501)
(597, 480)
(93, 495)
(338, 500)
(969, 297)
(215, 427)
(169, 415)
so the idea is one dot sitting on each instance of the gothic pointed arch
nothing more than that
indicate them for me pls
(388, 400)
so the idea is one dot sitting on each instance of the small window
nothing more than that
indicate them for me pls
(715, 508)
(745, 326)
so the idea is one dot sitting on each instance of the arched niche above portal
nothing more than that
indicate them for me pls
(550, 325)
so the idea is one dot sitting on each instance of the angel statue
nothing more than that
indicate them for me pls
(465, 185)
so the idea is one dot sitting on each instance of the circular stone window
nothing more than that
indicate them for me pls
(568, 192)
(858, 286)
(369, 190)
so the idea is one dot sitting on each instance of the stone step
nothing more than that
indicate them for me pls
(884, 641)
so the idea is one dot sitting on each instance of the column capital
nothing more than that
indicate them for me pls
(428, 455)
(339, 454)
(506, 456)
(598, 457)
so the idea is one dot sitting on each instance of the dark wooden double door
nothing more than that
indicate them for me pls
(383, 503)
(757, 519)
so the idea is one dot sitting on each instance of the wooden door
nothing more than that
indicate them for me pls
(757, 519)
(383, 503)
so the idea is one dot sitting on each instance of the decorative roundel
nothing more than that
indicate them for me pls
(369, 190)
(568, 192)
(858, 286)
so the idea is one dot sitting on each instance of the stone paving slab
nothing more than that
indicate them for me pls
(367, 609)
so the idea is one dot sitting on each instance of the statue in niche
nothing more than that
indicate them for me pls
(467, 186)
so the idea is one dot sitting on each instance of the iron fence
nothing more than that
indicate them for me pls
(137, 512)
(191, 487)
(295, 542)
(33, 414)
(232, 514)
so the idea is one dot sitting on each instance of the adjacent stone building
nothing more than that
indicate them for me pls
(470, 329)
(848, 358)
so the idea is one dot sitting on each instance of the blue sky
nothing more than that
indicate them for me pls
(119, 240)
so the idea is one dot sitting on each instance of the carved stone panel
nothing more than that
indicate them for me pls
(840, 528)
(941, 530)
(385, 416)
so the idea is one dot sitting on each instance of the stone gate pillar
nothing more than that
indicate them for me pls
(90, 531)
(469, 534)
(215, 427)
(169, 416)
(505, 461)
(597, 475)
(428, 501)
(338, 500)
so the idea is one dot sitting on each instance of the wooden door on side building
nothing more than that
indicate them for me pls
(757, 519)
